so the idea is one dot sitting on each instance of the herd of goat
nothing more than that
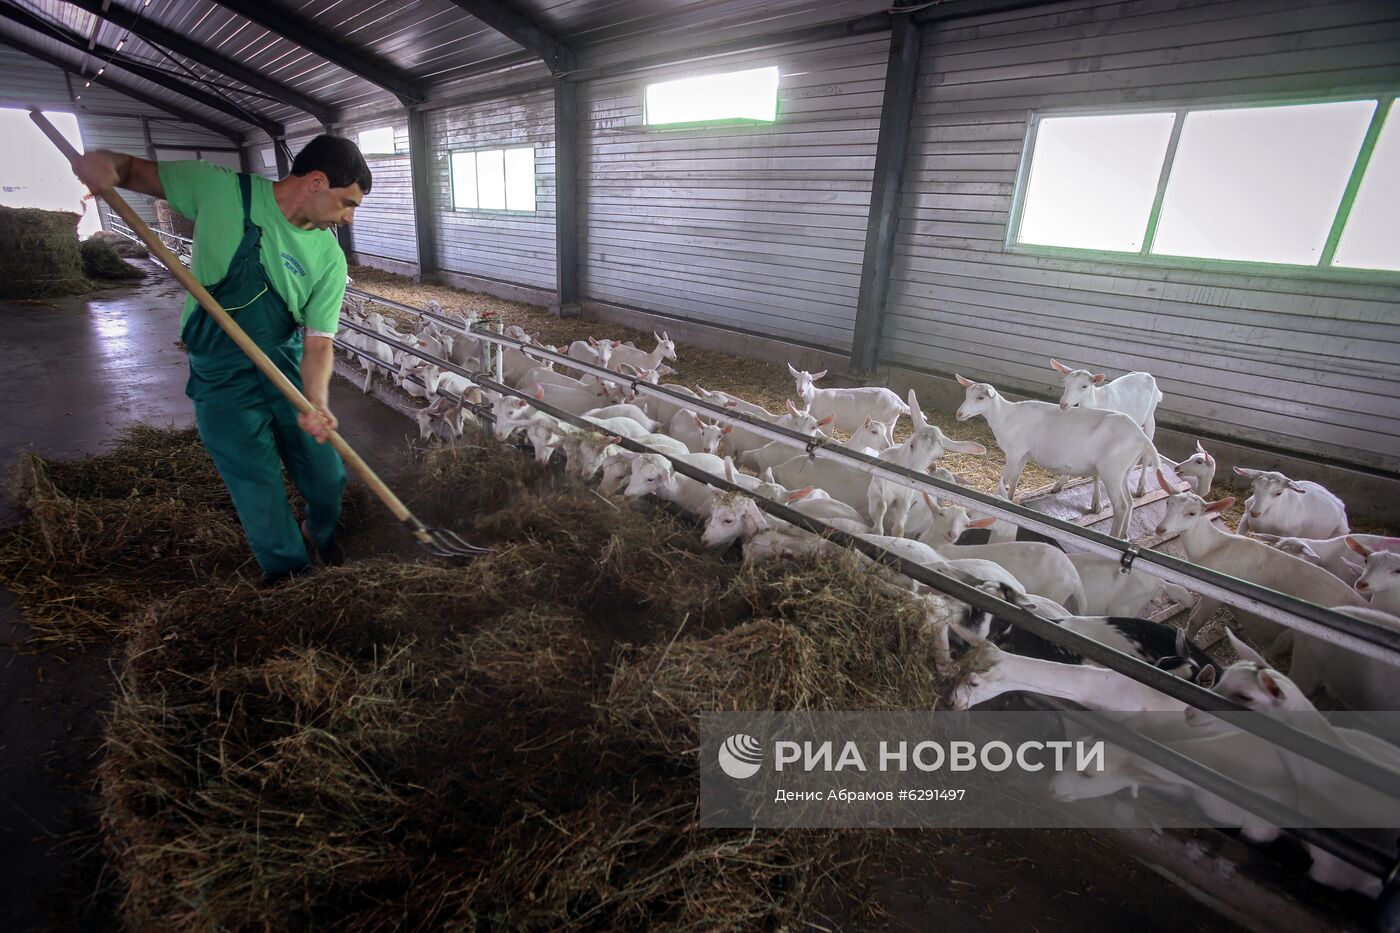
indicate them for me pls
(1294, 536)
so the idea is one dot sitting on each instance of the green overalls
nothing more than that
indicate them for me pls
(249, 428)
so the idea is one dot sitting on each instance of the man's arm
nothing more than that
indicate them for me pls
(317, 360)
(102, 169)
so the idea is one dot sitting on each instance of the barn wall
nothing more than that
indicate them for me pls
(1297, 362)
(106, 118)
(506, 246)
(757, 228)
(383, 224)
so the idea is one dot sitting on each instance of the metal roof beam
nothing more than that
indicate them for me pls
(503, 17)
(148, 72)
(332, 48)
(121, 88)
(173, 41)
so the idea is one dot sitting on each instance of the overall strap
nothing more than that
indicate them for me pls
(245, 187)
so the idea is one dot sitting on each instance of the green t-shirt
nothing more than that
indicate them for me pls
(305, 267)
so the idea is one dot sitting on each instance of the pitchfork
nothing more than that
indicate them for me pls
(440, 542)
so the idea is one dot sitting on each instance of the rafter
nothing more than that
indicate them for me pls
(121, 88)
(141, 69)
(332, 48)
(519, 28)
(158, 35)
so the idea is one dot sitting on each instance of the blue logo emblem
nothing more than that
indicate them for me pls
(292, 265)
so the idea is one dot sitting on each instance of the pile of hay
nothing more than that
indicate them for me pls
(102, 261)
(509, 744)
(126, 247)
(106, 535)
(39, 255)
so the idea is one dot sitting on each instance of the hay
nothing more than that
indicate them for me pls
(106, 535)
(102, 261)
(126, 247)
(39, 255)
(504, 745)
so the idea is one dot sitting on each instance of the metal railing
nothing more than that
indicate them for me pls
(1343, 630)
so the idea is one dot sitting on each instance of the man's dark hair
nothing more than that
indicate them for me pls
(338, 157)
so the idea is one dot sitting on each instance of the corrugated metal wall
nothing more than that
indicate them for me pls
(1302, 363)
(384, 223)
(509, 247)
(756, 228)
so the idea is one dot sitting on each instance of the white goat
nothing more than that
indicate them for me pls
(597, 352)
(661, 409)
(1282, 506)
(743, 439)
(1134, 394)
(1110, 592)
(1380, 578)
(776, 452)
(872, 437)
(1044, 570)
(735, 402)
(1198, 470)
(665, 350)
(616, 461)
(1331, 554)
(653, 473)
(1077, 442)
(1096, 688)
(850, 406)
(888, 503)
(631, 412)
(695, 433)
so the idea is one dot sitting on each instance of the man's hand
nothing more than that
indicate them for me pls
(98, 170)
(320, 424)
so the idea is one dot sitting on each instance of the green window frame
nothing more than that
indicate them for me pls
(1325, 267)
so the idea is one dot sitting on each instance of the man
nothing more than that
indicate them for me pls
(267, 253)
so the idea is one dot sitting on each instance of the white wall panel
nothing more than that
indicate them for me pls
(1303, 363)
(753, 227)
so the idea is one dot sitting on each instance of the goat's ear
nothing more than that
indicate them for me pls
(964, 447)
(699, 423)
(1269, 682)
(792, 370)
(539, 394)
(1200, 449)
(795, 494)
(609, 440)
(1099, 378)
(1358, 547)
(982, 523)
(1245, 652)
(964, 382)
(826, 421)
(928, 501)
(791, 407)
(1166, 486)
(727, 429)
(816, 376)
(1296, 487)
(1059, 367)
(1205, 677)
(1242, 471)
(1220, 505)
(665, 336)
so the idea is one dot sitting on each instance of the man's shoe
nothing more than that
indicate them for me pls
(332, 555)
(269, 580)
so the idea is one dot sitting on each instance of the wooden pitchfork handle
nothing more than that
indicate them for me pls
(237, 334)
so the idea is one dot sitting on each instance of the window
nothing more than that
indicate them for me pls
(378, 141)
(494, 179)
(1312, 185)
(269, 157)
(739, 96)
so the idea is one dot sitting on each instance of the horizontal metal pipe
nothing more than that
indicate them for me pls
(1353, 851)
(1343, 761)
(1353, 634)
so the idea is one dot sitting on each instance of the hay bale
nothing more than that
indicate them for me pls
(101, 261)
(39, 255)
(126, 247)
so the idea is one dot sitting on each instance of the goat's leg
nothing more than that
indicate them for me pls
(1122, 505)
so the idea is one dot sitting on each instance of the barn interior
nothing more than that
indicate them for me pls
(905, 200)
